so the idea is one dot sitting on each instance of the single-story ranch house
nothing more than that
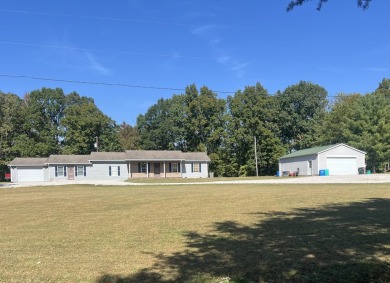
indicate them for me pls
(337, 159)
(111, 166)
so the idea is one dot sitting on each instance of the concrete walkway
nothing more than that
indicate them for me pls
(357, 179)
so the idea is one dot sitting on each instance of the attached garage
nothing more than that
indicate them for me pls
(338, 159)
(28, 170)
(30, 174)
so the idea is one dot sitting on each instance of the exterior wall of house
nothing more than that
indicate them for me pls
(100, 170)
(16, 171)
(187, 171)
(342, 151)
(302, 162)
(14, 174)
(51, 172)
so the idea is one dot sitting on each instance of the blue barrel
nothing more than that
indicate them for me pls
(322, 172)
(326, 172)
(277, 174)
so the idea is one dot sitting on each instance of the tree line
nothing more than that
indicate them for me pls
(47, 121)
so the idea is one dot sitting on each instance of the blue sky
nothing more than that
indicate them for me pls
(225, 45)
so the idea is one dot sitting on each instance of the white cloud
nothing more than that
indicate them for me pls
(239, 69)
(202, 29)
(93, 64)
(223, 58)
(376, 69)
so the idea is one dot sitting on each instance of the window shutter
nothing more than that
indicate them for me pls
(149, 167)
(170, 167)
(109, 170)
(192, 167)
(200, 167)
(56, 171)
(179, 166)
(85, 170)
(139, 167)
(75, 169)
(119, 170)
(65, 171)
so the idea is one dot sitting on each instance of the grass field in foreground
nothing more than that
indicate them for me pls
(196, 180)
(200, 233)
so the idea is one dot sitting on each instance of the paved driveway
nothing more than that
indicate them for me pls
(357, 179)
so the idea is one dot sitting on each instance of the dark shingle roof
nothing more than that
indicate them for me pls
(68, 159)
(154, 155)
(107, 156)
(29, 161)
(196, 156)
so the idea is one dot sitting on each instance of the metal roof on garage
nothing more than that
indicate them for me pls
(309, 151)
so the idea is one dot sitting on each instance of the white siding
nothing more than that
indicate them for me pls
(100, 170)
(30, 174)
(302, 162)
(187, 170)
(343, 153)
(342, 165)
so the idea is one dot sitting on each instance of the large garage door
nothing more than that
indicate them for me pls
(30, 174)
(341, 165)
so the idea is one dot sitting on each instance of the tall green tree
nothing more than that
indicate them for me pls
(42, 112)
(302, 107)
(85, 126)
(251, 114)
(364, 4)
(362, 121)
(128, 137)
(158, 128)
(205, 121)
(10, 121)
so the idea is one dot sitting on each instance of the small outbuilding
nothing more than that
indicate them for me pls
(337, 159)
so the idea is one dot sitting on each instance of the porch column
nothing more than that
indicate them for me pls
(129, 164)
(147, 169)
(165, 173)
(181, 168)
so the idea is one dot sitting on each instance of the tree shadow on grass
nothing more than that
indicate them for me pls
(335, 243)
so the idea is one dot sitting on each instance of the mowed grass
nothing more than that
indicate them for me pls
(198, 233)
(196, 180)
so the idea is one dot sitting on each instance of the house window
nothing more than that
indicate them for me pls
(142, 167)
(60, 171)
(81, 171)
(174, 167)
(114, 171)
(196, 167)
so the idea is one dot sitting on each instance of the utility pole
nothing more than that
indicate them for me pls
(257, 169)
(97, 144)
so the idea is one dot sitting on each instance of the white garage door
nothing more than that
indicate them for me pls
(30, 174)
(341, 165)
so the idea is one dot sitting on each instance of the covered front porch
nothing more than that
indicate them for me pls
(155, 169)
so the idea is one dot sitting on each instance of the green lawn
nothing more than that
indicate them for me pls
(196, 180)
(198, 233)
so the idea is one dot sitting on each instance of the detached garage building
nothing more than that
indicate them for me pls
(338, 159)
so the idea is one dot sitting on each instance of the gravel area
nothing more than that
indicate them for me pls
(373, 178)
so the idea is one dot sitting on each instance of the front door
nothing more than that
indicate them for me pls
(157, 169)
(309, 168)
(70, 172)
